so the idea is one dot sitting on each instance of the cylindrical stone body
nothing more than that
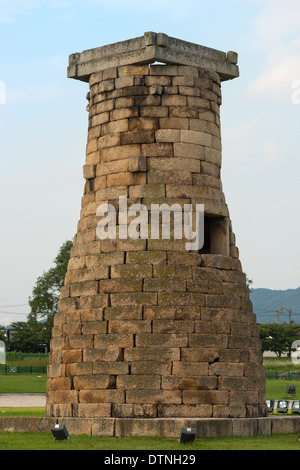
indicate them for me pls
(145, 327)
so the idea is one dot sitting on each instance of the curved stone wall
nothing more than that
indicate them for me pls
(145, 327)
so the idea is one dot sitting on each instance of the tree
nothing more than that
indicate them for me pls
(249, 282)
(2, 334)
(43, 303)
(45, 294)
(278, 338)
(27, 336)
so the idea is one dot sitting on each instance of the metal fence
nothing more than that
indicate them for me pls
(286, 375)
(17, 370)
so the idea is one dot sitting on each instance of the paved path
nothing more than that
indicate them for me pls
(22, 399)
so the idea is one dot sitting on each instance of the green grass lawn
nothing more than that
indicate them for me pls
(23, 383)
(34, 411)
(275, 389)
(45, 441)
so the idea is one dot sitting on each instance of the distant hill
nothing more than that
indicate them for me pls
(266, 301)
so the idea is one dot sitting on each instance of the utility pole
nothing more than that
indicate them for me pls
(289, 312)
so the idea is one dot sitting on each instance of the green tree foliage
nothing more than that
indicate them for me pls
(45, 294)
(27, 336)
(34, 335)
(278, 338)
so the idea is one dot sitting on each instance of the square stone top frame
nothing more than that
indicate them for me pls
(150, 48)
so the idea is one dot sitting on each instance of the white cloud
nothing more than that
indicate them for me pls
(277, 36)
(11, 10)
(278, 20)
(271, 152)
(277, 79)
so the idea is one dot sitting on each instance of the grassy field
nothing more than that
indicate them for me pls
(33, 412)
(275, 389)
(23, 383)
(45, 441)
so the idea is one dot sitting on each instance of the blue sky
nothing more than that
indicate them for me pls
(43, 126)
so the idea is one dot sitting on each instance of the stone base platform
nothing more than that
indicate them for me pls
(165, 427)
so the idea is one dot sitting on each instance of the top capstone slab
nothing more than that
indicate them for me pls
(150, 48)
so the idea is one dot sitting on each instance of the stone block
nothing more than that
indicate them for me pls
(94, 410)
(182, 298)
(158, 149)
(120, 285)
(137, 137)
(104, 427)
(84, 288)
(167, 135)
(89, 171)
(123, 313)
(123, 114)
(184, 411)
(101, 396)
(142, 123)
(66, 396)
(109, 140)
(162, 80)
(190, 369)
(153, 396)
(125, 81)
(165, 326)
(189, 150)
(133, 298)
(124, 340)
(133, 70)
(175, 164)
(137, 164)
(138, 382)
(152, 354)
(134, 411)
(107, 354)
(111, 368)
(149, 100)
(194, 354)
(189, 90)
(74, 355)
(146, 258)
(189, 383)
(113, 127)
(172, 313)
(196, 137)
(211, 397)
(60, 383)
(150, 368)
(129, 326)
(208, 340)
(79, 341)
(155, 111)
(227, 370)
(162, 340)
(80, 368)
(147, 190)
(94, 327)
(189, 112)
(164, 285)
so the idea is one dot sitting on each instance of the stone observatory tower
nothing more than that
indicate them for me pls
(151, 325)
